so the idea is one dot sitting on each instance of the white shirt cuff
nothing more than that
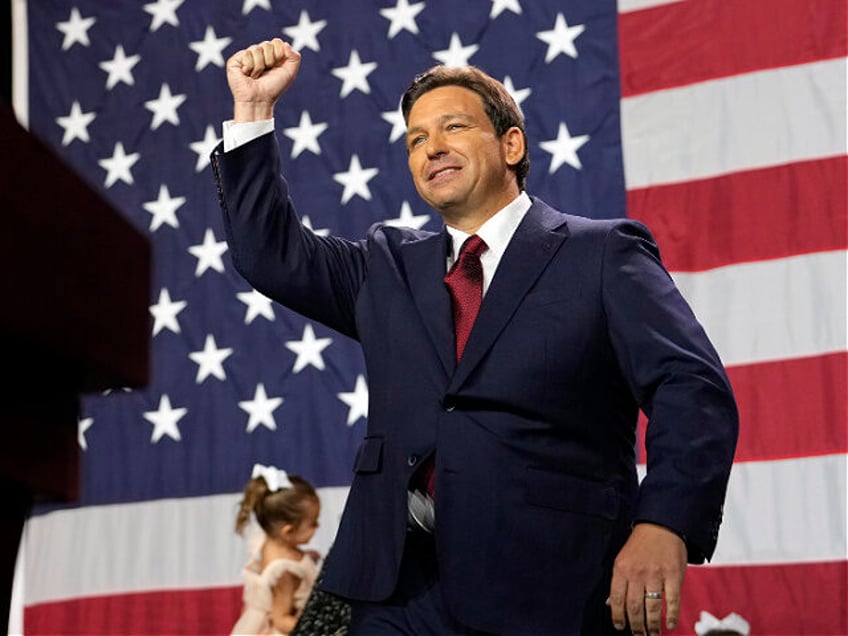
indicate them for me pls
(236, 135)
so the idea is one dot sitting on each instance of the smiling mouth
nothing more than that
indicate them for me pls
(441, 172)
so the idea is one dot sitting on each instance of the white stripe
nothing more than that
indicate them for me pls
(787, 511)
(20, 62)
(784, 511)
(748, 121)
(16, 603)
(769, 310)
(155, 545)
(625, 6)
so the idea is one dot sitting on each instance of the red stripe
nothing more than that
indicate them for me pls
(768, 597)
(806, 599)
(205, 611)
(747, 216)
(687, 42)
(792, 408)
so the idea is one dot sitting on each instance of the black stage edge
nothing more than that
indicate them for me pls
(6, 52)
(69, 252)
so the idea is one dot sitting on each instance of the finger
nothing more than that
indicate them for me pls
(255, 60)
(653, 615)
(290, 55)
(279, 49)
(636, 609)
(618, 593)
(258, 58)
(241, 60)
(672, 603)
(244, 58)
(269, 60)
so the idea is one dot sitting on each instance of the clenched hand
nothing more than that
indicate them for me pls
(258, 75)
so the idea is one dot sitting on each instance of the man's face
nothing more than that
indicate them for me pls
(458, 163)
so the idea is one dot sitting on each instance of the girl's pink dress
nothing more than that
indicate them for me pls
(256, 615)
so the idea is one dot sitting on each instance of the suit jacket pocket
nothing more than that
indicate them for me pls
(369, 457)
(544, 297)
(560, 491)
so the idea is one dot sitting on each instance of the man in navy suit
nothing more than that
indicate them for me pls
(537, 523)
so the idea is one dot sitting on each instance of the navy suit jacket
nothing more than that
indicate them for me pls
(534, 430)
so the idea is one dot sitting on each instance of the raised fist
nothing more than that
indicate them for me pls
(258, 75)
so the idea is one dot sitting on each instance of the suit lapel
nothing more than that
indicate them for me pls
(534, 243)
(424, 262)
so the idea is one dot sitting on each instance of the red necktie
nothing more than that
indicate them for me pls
(465, 284)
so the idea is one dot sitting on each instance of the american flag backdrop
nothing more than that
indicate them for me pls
(721, 124)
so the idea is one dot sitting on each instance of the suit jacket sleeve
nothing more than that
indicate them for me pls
(319, 277)
(679, 382)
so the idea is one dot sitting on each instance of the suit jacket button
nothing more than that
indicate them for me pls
(449, 406)
(412, 460)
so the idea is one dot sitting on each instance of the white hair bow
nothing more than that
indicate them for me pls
(274, 477)
(731, 622)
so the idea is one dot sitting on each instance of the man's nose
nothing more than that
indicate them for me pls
(436, 145)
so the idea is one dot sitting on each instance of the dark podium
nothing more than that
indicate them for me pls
(74, 319)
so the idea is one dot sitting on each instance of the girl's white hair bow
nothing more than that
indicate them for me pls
(274, 477)
(731, 622)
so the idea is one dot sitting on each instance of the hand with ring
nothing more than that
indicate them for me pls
(647, 574)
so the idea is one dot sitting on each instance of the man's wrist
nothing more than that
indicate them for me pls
(252, 111)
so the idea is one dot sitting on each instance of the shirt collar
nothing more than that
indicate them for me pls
(498, 230)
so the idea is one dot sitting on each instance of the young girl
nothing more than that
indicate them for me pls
(280, 576)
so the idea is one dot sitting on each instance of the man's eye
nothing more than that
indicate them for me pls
(416, 140)
(455, 126)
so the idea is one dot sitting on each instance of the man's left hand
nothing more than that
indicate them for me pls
(651, 564)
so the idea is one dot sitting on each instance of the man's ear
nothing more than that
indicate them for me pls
(513, 145)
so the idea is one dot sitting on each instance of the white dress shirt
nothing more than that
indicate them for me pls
(497, 233)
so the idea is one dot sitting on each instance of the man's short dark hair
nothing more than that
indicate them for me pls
(498, 104)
